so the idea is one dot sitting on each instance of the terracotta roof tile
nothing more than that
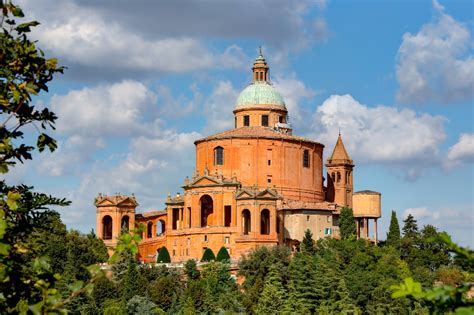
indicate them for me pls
(255, 132)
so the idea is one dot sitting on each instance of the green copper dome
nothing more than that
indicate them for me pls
(259, 93)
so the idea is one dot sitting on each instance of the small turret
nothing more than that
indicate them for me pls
(339, 167)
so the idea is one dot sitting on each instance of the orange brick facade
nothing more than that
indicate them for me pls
(254, 185)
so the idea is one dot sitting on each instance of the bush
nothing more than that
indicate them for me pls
(223, 254)
(163, 256)
(208, 255)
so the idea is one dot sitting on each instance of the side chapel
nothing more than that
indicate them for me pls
(254, 185)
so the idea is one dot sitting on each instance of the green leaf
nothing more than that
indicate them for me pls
(36, 308)
(4, 249)
(12, 199)
(45, 140)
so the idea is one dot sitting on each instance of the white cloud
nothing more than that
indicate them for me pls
(105, 110)
(462, 151)
(379, 134)
(294, 92)
(456, 220)
(219, 107)
(321, 29)
(436, 64)
(81, 35)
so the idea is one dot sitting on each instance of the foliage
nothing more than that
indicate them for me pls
(393, 235)
(273, 295)
(163, 256)
(190, 269)
(307, 245)
(347, 226)
(142, 306)
(223, 254)
(208, 255)
(441, 298)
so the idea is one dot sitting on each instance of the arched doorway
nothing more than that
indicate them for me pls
(207, 210)
(246, 221)
(125, 223)
(160, 227)
(265, 222)
(107, 228)
(149, 230)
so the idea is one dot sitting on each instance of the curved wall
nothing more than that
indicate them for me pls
(267, 162)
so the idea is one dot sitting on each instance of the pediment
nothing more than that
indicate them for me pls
(205, 181)
(268, 193)
(104, 203)
(243, 194)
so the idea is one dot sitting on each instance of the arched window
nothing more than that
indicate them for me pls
(305, 158)
(333, 176)
(207, 210)
(219, 156)
(246, 221)
(338, 177)
(107, 228)
(125, 223)
(160, 227)
(149, 230)
(265, 222)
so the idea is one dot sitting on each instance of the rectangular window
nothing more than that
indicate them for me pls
(265, 120)
(329, 218)
(327, 231)
(189, 217)
(187, 252)
(205, 238)
(174, 252)
(269, 162)
(269, 179)
(235, 122)
(281, 119)
(305, 158)
(175, 218)
(307, 218)
(227, 215)
(246, 120)
(227, 240)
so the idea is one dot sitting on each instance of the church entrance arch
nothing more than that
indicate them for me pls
(207, 209)
(107, 227)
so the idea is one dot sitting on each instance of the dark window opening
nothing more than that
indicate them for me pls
(175, 218)
(189, 217)
(235, 122)
(246, 221)
(246, 120)
(281, 119)
(206, 210)
(269, 179)
(107, 228)
(269, 162)
(125, 223)
(265, 120)
(227, 215)
(265, 222)
(219, 156)
(149, 230)
(306, 158)
(160, 227)
(278, 224)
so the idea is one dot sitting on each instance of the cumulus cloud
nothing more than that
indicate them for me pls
(218, 107)
(294, 92)
(116, 109)
(462, 151)
(104, 38)
(456, 220)
(380, 134)
(436, 64)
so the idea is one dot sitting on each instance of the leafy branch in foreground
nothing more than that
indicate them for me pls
(443, 298)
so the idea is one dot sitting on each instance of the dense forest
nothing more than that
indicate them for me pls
(46, 269)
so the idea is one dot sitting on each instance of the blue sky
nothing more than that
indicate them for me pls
(146, 80)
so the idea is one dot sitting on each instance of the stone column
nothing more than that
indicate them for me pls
(358, 228)
(366, 226)
(375, 231)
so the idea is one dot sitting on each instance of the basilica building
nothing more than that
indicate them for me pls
(254, 185)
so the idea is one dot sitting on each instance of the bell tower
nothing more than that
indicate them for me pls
(339, 173)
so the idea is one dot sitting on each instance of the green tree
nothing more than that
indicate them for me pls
(208, 255)
(307, 245)
(347, 226)
(223, 254)
(410, 227)
(141, 305)
(393, 235)
(163, 256)
(190, 269)
(133, 283)
(273, 295)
